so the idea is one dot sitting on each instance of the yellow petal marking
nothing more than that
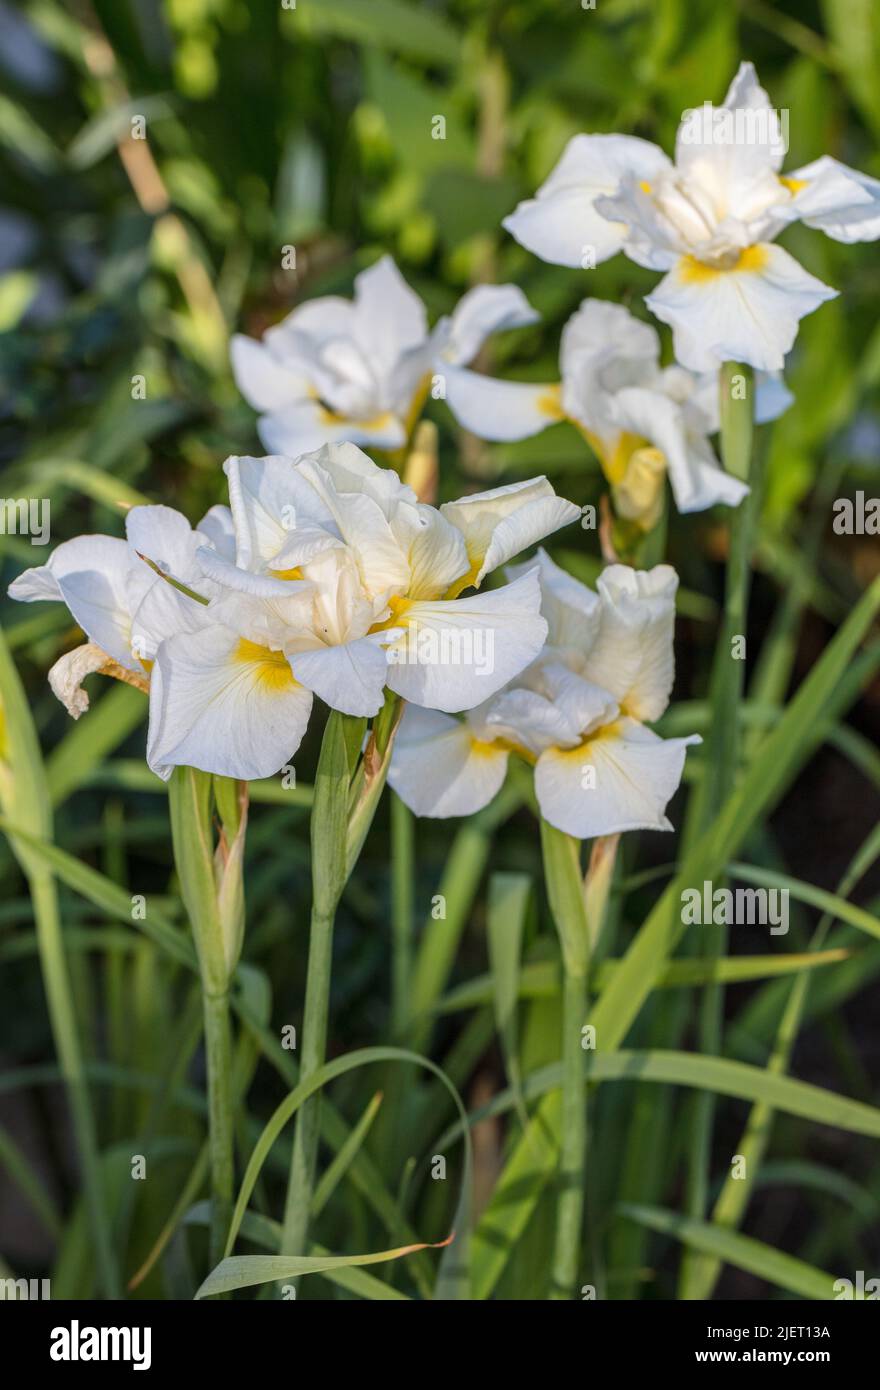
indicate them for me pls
(694, 272)
(272, 668)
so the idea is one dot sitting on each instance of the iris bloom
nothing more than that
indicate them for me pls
(358, 370)
(709, 221)
(578, 714)
(641, 420)
(326, 576)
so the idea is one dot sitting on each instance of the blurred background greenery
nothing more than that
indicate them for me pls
(309, 125)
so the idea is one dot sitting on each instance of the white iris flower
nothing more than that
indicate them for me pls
(359, 370)
(709, 220)
(326, 576)
(578, 714)
(641, 420)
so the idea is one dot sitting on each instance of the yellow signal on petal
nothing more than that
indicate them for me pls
(399, 608)
(645, 186)
(295, 573)
(272, 668)
(694, 272)
(793, 185)
(551, 403)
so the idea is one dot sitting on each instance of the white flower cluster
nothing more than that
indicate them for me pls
(327, 576)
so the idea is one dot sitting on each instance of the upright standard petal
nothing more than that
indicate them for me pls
(501, 523)
(573, 611)
(632, 656)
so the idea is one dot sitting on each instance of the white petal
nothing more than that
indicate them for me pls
(349, 677)
(494, 409)
(554, 707)
(485, 310)
(571, 609)
(362, 525)
(728, 149)
(217, 526)
(221, 704)
(436, 554)
(439, 769)
(269, 500)
(36, 585)
(651, 238)
(389, 317)
(620, 780)
(264, 381)
(228, 576)
(747, 314)
(841, 202)
(267, 620)
(698, 480)
(632, 657)
(354, 471)
(455, 654)
(497, 525)
(92, 575)
(314, 322)
(561, 223)
(301, 428)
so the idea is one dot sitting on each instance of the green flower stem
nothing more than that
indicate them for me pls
(215, 1008)
(722, 753)
(402, 883)
(342, 812)
(565, 890)
(190, 796)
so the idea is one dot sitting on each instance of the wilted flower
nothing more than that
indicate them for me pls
(642, 420)
(327, 576)
(359, 370)
(710, 220)
(578, 714)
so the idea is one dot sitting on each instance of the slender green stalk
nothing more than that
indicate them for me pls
(573, 1149)
(723, 747)
(329, 842)
(402, 885)
(215, 913)
(565, 890)
(314, 1048)
(218, 1058)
